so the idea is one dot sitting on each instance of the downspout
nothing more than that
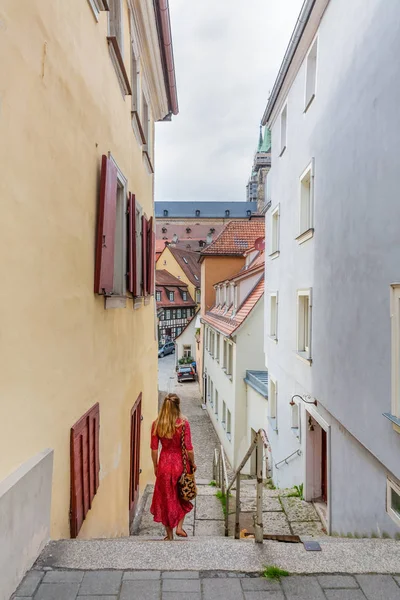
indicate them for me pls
(298, 31)
(165, 24)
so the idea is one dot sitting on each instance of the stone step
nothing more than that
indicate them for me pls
(225, 554)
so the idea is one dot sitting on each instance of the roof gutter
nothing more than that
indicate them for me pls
(298, 31)
(164, 23)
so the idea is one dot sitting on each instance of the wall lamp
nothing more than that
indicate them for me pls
(292, 403)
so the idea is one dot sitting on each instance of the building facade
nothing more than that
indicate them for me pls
(175, 306)
(332, 297)
(184, 265)
(78, 349)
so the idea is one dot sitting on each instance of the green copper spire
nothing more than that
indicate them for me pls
(266, 145)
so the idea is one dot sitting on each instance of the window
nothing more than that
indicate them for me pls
(217, 347)
(216, 404)
(295, 418)
(311, 74)
(235, 298)
(187, 351)
(393, 501)
(184, 296)
(147, 133)
(85, 466)
(171, 296)
(158, 296)
(273, 324)
(183, 313)
(178, 313)
(395, 324)
(223, 421)
(275, 232)
(211, 393)
(164, 230)
(273, 399)
(283, 130)
(306, 204)
(168, 315)
(136, 419)
(165, 213)
(97, 6)
(197, 213)
(228, 425)
(198, 296)
(178, 331)
(136, 97)
(115, 42)
(173, 314)
(304, 324)
(229, 368)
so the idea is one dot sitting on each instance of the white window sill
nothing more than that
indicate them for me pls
(115, 302)
(273, 423)
(274, 255)
(309, 103)
(282, 151)
(394, 420)
(148, 162)
(303, 356)
(305, 236)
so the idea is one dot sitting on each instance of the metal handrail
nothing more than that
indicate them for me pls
(285, 460)
(259, 443)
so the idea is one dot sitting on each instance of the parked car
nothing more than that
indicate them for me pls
(186, 373)
(167, 348)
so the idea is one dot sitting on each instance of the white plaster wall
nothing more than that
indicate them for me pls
(245, 287)
(187, 337)
(351, 129)
(25, 501)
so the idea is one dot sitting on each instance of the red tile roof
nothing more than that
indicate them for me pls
(228, 323)
(163, 277)
(236, 238)
(189, 263)
(166, 282)
(257, 264)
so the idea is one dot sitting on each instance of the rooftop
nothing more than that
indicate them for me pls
(226, 321)
(163, 277)
(236, 238)
(205, 210)
(189, 263)
(258, 380)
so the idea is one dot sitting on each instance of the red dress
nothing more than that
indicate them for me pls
(167, 507)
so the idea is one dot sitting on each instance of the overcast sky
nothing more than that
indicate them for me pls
(227, 55)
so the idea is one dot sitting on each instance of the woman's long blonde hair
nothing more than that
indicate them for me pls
(165, 425)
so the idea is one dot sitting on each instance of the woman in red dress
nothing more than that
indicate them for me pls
(167, 507)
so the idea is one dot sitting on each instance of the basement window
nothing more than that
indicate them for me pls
(393, 501)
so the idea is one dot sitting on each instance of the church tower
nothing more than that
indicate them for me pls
(261, 165)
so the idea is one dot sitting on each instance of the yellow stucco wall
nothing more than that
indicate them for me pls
(213, 270)
(61, 108)
(168, 262)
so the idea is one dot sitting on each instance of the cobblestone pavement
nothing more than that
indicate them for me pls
(206, 585)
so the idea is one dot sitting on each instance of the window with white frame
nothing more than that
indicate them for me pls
(184, 296)
(217, 346)
(208, 387)
(229, 367)
(275, 231)
(97, 6)
(283, 129)
(273, 323)
(198, 296)
(304, 323)
(206, 337)
(115, 21)
(167, 314)
(311, 74)
(272, 397)
(120, 247)
(223, 420)
(178, 313)
(235, 298)
(306, 202)
(158, 296)
(228, 424)
(395, 325)
(393, 501)
(295, 418)
(225, 355)
(187, 350)
(216, 403)
(171, 296)
(211, 392)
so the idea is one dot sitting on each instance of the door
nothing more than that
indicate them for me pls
(136, 419)
(324, 467)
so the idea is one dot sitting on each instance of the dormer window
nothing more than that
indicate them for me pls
(164, 230)
(184, 296)
(165, 213)
(185, 260)
(171, 296)
(188, 230)
(227, 213)
(248, 213)
(235, 297)
(212, 230)
(197, 213)
(158, 296)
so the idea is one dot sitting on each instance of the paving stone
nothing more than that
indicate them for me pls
(99, 583)
(140, 590)
(130, 575)
(270, 504)
(209, 528)
(379, 587)
(311, 528)
(57, 591)
(29, 583)
(344, 595)
(397, 579)
(276, 524)
(337, 581)
(218, 589)
(97, 598)
(299, 510)
(259, 584)
(208, 507)
(302, 588)
(180, 575)
(264, 595)
(181, 585)
(181, 596)
(63, 577)
(206, 490)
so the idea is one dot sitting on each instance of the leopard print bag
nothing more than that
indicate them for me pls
(186, 485)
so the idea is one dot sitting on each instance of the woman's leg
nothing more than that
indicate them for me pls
(170, 533)
(179, 529)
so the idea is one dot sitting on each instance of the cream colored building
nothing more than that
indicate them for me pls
(81, 88)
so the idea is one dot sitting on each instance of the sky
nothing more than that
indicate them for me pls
(227, 55)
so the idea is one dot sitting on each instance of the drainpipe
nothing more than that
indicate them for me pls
(165, 24)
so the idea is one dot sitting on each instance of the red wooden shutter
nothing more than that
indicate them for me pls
(136, 418)
(85, 466)
(151, 241)
(144, 255)
(132, 275)
(104, 270)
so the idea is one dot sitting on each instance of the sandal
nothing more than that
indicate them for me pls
(168, 539)
(183, 534)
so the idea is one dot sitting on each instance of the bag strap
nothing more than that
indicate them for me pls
(183, 446)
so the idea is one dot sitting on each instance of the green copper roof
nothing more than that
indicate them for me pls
(266, 145)
(260, 140)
